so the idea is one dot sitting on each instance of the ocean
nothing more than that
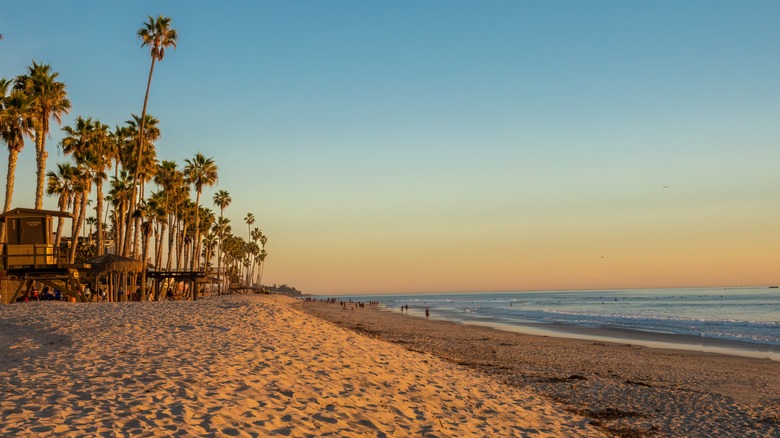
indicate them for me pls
(737, 321)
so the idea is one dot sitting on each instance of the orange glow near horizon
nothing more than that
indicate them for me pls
(603, 251)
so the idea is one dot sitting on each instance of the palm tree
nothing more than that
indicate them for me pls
(149, 211)
(92, 222)
(263, 254)
(60, 184)
(156, 206)
(253, 252)
(119, 140)
(206, 220)
(83, 141)
(80, 182)
(171, 181)
(209, 243)
(49, 100)
(235, 251)
(199, 171)
(158, 35)
(255, 236)
(249, 219)
(186, 214)
(143, 167)
(121, 188)
(102, 152)
(15, 124)
(221, 199)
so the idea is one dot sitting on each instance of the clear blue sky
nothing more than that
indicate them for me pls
(452, 145)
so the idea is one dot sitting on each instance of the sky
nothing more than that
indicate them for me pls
(447, 146)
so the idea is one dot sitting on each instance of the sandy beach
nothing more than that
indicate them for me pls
(243, 366)
(625, 390)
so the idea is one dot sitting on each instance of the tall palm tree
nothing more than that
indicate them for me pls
(60, 183)
(206, 220)
(186, 214)
(82, 141)
(249, 219)
(254, 236)
(156, 205)
(253, 251)
(199, 171)
(209, 243)
(15, 124)
(263, 239)
(49, 100)
(149, 211)
(89, 142)
(102, 151)
(92, 222)
(158, 35)
(171, 181)
(81, 182)
(221, 199)
(120, 138)
(142, 167)
(119, 194)
(263, 255)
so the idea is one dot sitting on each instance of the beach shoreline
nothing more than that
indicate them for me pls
(627, 389)
(653, 340)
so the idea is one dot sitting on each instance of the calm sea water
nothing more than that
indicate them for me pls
(743, 321)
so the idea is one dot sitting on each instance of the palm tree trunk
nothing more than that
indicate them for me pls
(196, 240)
(187, 245)
(145, 251)
(79, 220)
(136, 236)
(10, 179)
(171, 233)
(61, 221)
(180, 245)
(99, 216)
(160, 237)
(73, 223)
(219, 251)
(156, 243)
(40, 159)
(119, 219)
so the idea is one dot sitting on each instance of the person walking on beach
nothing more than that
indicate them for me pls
(427, 313)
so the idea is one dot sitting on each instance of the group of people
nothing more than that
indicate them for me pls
(405, 309)
(352, 305)
(47, 294)
(100, 295)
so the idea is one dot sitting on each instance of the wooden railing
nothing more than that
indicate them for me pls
(31, 256)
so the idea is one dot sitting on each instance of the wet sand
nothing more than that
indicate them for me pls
(626, 390)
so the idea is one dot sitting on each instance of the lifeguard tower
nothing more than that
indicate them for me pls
(29, 254)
